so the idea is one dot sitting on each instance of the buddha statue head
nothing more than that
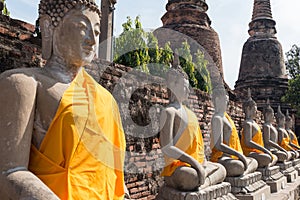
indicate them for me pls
(289, 120)
(249, 106)
(220, 99)
(268, 112)
(280, 118)
(70, 31)
(177, 81)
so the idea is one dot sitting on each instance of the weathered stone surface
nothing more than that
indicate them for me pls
(262, 193)
(219, 191)
(288, 170)
(262, 64)
(189, 17)
(246, 184)
(290, 192)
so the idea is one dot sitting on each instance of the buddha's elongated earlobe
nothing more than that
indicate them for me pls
(47, 36)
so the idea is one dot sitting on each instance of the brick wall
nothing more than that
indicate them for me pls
(141, 98)
(18, 47)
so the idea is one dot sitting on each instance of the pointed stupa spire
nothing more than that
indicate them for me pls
(262, 10)
(262, 24)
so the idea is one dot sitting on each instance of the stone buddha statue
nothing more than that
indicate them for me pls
(283, 136)
(251, 138)
(293, 137)
(270, 136)
(227, 148)
(55, 142)
(186, 168)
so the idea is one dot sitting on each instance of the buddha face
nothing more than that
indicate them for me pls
(180, 88)
(76, 38)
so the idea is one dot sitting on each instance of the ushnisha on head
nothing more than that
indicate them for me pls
(268, 111)
(177, 81)
(249, 104)
(280, 117)
(57, 9)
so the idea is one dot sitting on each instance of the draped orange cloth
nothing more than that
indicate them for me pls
(191, 142)
(257, 138)
(285, 143)
(294, 139)
(234, 142)
(82, 154)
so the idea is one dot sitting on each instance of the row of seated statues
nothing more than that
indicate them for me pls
(62, 136)
(232, 156)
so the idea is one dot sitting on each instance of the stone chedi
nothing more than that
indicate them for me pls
(186, 173)
(50, 126)
(262, 65)
(284, 141)
(189, 17)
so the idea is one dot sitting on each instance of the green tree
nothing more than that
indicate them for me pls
(139, 49)
(293, 61)
(5, 10)
(131, 47)
(201, 73)
(293, 69)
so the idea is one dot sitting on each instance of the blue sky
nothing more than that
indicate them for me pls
(230, 18)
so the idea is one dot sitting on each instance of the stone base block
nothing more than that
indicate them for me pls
(277, 185)
(219, 191)
(261, 194)
(296, 162)
(289, 171)
(270, 173)
(290, 192)
(246, 184)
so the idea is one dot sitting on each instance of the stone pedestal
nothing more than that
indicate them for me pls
(249, 187)
(296, 165)
(219, 191)
(290, 192)
(273, 177)
(288, 171)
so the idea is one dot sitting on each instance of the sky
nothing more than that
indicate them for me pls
(230, 19)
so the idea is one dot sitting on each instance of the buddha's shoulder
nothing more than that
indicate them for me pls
(21, 75)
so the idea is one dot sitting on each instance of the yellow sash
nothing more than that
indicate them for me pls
(294, 140)
(257, 138)
(82, 154)
(285, 143)
(234, 142)
(191, 142)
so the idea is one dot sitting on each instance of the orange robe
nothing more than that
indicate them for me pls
(191, 142)
(294, 140)
(285, 143)
(82, 154)
(234, 142)
(257, 138)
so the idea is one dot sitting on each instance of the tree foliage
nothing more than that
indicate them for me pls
(293, 69)
(293, 61)
(139, 49)
(5, 10)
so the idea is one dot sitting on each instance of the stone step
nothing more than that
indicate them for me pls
(261, 194)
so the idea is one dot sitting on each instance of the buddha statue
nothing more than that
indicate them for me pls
(293, 137)
(186, 167)
(227, 148)
(55, 142)
(251, 138)
(270, 136)
(283, 136)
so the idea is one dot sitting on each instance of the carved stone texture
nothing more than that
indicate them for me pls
(189, 17)
(262, 64)
(219, 191)
(289, 171)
